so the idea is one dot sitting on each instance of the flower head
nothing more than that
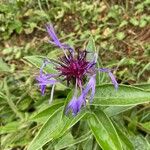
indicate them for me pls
(75, 69)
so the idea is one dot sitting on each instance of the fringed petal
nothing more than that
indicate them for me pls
(55, 39)
(112, 77)
(45, 79)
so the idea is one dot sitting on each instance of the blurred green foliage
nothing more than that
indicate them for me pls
(121, 30)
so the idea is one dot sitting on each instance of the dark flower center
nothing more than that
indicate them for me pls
(74, 68)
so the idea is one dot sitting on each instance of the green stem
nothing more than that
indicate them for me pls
(40, 6)
(10, 102)
(14, 108)
(138, 125)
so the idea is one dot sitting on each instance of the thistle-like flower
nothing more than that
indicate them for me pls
(75, 69)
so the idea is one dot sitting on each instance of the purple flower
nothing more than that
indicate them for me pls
(74, 68)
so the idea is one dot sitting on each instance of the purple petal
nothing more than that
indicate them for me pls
(45, 79)
(52, 34)
(55, 39)
(75, 105)
(91, 85)
(45, 62)
(66, 46)
(47, 82)
(112, 77)
(43, 87)
(104, 70)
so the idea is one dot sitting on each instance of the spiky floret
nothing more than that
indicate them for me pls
(75, 68)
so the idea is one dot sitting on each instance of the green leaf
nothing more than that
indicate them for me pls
(139, 142)
(38, 61)
(10, 127)
(146, 67)
(11, 140)
(142, 23)
(65, 141)
(69, 122)
(104, 131)
(3, 66)
(91, 45)
(54, 54)
(88, 144)
(115, 110)
(2, 95)
(146, 125)
(24, 104)
(123, 23)
(127, 145)
(43, 115)
(15, 25)
(144, 86)
(91, 49)
(134, 21)
(68, 140)
(55, 127)
(120, 35)
(48, 130)
(11, 102)
(124, 96)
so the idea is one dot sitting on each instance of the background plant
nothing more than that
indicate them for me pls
(121, 33)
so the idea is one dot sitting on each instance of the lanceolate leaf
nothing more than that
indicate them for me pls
(88, 144)
(91, 48)
(10, 127)
(146, 126)
(54, 128)
(144, 86)
(47, 131)
(44, 114)
(127, 145)
(69, 122)
(104, 131)
(38, 61)
(4, 67)
(68, 140)
(124, 96)
(115, 110)
(2, 95)
(139, 142)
